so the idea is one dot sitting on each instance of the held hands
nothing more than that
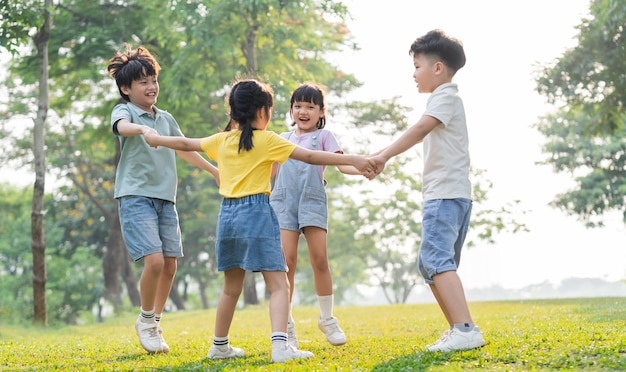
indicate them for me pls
(375, 164)
(151, 136)
(379, 164)
(366, 166)
(371, 166)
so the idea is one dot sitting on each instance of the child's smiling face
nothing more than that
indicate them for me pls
(306, 115)
(143, 92)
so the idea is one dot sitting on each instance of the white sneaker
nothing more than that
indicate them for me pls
(280, 355)
(164, 346)
(458, 340)
(149, 337)
(442, 337)
(224, 351)
(291, 335)
(331, 329)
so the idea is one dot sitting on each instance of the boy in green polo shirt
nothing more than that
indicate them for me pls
(145, 186)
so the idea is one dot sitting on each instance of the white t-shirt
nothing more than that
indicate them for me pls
(446, 147)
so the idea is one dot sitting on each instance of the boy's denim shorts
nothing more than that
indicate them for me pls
(444, 227)
(150, 226)
(248, 236)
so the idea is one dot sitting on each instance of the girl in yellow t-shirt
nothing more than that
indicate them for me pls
(248, 234)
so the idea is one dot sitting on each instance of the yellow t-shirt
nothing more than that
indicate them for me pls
(248, 172)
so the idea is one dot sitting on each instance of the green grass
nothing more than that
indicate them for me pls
(572, 334)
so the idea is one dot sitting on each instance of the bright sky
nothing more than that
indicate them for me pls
(503, 42)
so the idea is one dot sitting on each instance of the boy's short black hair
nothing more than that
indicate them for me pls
(132, 65)
(448, 49)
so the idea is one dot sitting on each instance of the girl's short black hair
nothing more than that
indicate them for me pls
(309, 92)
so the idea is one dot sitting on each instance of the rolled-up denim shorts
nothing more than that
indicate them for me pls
(444, 227)
(248, 236)
(150, 226)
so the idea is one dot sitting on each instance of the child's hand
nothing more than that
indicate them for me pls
(379, 164)
(151, 136)
(366, 167)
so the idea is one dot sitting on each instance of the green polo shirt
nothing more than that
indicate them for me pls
(144, 170)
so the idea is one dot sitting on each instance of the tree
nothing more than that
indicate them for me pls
(585, 134)
(20, 18)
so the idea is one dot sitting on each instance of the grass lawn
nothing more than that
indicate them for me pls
(570, 334)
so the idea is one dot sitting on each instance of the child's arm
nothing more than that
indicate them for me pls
(408, 139)
(186, 148)
(363, 164)
(274, 169)
(196, 159)
(173, 142)
(126, 128)
(349, 169)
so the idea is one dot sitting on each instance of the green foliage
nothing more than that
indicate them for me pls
(17, 19)
(74, 275)
(570, 334)
(585, 134)
(15, 254)
(74, 284)
(598, 162)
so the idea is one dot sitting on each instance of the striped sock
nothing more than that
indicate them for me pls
(279, 339)
(147, 316)
(220, 341)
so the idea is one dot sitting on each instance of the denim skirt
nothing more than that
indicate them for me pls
(248, 235)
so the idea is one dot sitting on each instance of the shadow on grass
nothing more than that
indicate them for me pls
(414, 362)
(246, 363)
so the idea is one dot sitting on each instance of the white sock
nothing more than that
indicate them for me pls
(326, 306)
(220, 341)
(147, 316)
(279, 340)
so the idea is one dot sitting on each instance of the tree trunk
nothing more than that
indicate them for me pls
(176, 298)
(250, 296)
(202, 286)
(129, 276)
(112, 263)
(38, 243)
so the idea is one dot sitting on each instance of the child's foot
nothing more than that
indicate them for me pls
(455, 339)
(280, 355)
(291, 335)
(443, 336)
(164, 347)
(149, 337)
(331, 329)
(224, 351)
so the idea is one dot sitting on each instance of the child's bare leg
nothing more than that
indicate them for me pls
(278, 287)
(441, 304)
(233, 285)
(448, 291)
(289, 240)
(164, 285)
(316, 239)
(148, 283)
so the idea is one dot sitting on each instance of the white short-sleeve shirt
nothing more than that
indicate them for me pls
(446, 147)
